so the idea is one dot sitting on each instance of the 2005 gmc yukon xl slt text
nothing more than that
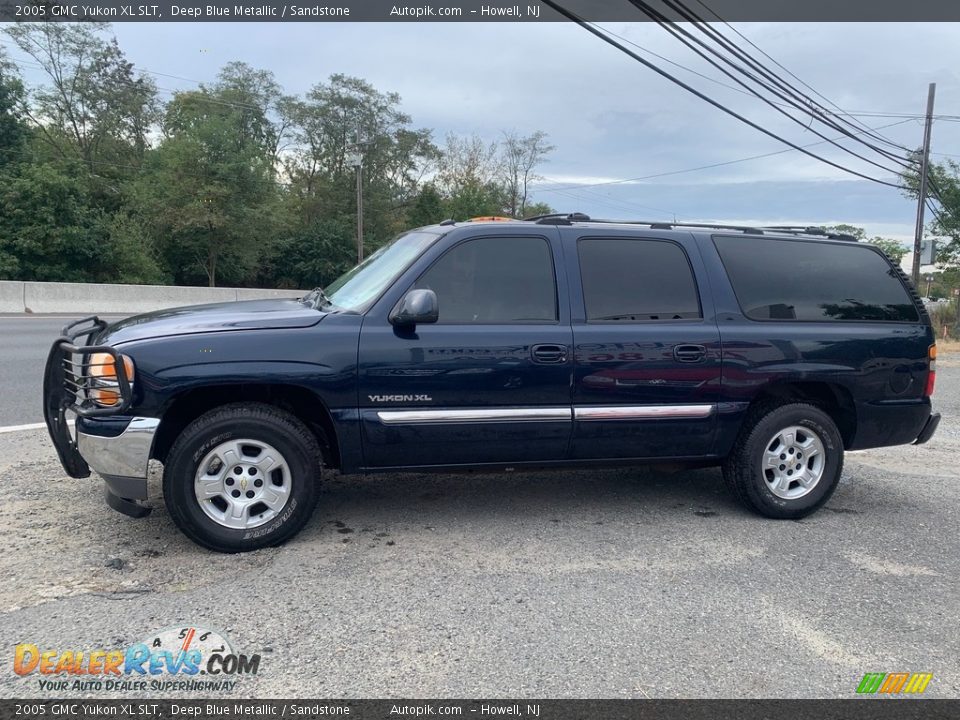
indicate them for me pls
(554, 342)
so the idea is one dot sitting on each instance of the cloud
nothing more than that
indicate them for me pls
(609, 117)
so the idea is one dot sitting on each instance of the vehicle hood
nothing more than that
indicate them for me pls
(215, 317)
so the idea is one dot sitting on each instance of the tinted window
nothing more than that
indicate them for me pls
(636, 281)
(495, 281)
(797, 280)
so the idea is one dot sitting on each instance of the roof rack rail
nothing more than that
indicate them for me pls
(668, 225)
(811, 230)
(558, 218)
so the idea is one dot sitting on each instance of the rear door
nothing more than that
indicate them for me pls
(647, 348)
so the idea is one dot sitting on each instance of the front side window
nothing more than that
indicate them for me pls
(636, 280)
(813, 280)
(494, 281)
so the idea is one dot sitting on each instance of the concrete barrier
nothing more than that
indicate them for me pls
(11, 296)
(80, 298)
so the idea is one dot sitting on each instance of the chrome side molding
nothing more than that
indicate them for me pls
(642, 412)
(551, 414)
(466, 415)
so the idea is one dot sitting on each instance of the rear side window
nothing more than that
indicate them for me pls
(633, 280)
(499, 280)
(804, 280)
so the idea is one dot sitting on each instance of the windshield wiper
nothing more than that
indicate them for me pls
(316, 297)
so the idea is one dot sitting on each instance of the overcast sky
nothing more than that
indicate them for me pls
(609, 117)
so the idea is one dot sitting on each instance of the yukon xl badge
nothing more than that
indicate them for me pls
(399, 398)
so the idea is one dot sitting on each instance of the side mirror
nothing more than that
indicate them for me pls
(417, 306)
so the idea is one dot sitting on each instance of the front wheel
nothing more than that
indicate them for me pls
(786, 462)
(242, 477)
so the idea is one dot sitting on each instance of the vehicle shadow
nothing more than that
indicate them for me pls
(533, 498)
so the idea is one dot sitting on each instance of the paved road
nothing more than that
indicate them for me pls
(615, 583)
(24, 343)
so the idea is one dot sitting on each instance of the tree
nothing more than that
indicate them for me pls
(13, 131)
(94, 105)
(894, 249)
(209, 189)
(326, 126)
(535, 209)
(50, 230)
(943, 188)
(428, 207)
(521, 157)
(313, 256)
(470, 175)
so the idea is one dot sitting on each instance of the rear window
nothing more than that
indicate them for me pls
(810, 280)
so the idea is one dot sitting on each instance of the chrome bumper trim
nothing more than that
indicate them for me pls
(642, 412)
(125, 455)
(429, 417)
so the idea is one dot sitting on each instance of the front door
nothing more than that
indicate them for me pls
(647, 357)
(490, 381)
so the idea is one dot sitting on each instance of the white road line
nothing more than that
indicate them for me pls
(54, 317)
(21, 428)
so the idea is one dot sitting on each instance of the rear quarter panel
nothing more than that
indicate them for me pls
(881, 365)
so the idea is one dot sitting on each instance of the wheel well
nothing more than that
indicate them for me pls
(302, 403)
(833, 399)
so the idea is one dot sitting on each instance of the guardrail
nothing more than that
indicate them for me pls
(78, 298)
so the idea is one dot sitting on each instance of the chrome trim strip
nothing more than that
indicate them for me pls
(125, 455)
(466, 415)
(642, 412)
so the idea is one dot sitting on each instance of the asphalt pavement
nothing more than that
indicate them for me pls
(25, 341)
(611, 583)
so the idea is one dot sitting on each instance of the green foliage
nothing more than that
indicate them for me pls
(94, 106)
(50, 230)
(313, 256)
(428, 207)
(234, 183)
(13, 131)
(894, 249)
(944, 189)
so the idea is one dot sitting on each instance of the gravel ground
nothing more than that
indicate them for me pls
(613, 583)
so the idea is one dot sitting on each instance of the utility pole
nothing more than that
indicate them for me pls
(359, 208)
(356, 159)
(922, 194)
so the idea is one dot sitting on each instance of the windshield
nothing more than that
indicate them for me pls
(358, 288)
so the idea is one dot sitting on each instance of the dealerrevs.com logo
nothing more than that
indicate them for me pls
(174, 659)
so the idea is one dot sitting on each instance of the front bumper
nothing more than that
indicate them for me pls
(120, 459)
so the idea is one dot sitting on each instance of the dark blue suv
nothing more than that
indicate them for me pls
(557, 341)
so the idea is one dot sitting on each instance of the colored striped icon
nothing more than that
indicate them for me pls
(894, 683)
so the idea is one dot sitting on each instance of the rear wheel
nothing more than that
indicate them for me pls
(787, 461)
(242, 477)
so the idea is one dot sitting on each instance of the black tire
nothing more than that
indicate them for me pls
(744, 473)
(254, 421)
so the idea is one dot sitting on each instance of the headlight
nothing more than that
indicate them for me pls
(105, 388)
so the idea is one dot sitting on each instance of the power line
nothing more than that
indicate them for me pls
(793, 75)
(779, 89)
(582, 23)
(710, 166)
(33, 65)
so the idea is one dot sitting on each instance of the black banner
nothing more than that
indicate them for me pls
(474, 10)
(855, 709)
